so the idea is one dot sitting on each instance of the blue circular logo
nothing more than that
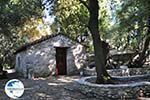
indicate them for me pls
(14, 88)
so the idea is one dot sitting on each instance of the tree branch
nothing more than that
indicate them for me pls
(84, 3)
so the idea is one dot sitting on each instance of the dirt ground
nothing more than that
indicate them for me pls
(52, 88)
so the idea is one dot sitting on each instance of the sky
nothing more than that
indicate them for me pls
(48, 17)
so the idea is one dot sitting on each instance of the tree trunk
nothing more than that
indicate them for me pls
(2, 73)
(142, 56)
(100, 57)
(1, 66)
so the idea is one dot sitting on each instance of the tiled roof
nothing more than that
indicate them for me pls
(24, 47)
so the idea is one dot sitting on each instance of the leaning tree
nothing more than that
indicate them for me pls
(100, 47)
(134, 20)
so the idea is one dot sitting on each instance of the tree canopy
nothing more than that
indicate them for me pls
(124, 24)
(14, 17)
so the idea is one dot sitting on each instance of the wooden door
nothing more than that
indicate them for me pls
(61, 64)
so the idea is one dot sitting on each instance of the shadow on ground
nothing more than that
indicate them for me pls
(52, 88)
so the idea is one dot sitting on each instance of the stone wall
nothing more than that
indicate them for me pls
(39, 59)
(132, 71)
(109, 91)
(122, 91)
(121, 72)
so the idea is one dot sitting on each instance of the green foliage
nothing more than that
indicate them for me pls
(15, 12)
(105, 18)
(122, 22)
(131, 21)
(71, 16)
(13, 15)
